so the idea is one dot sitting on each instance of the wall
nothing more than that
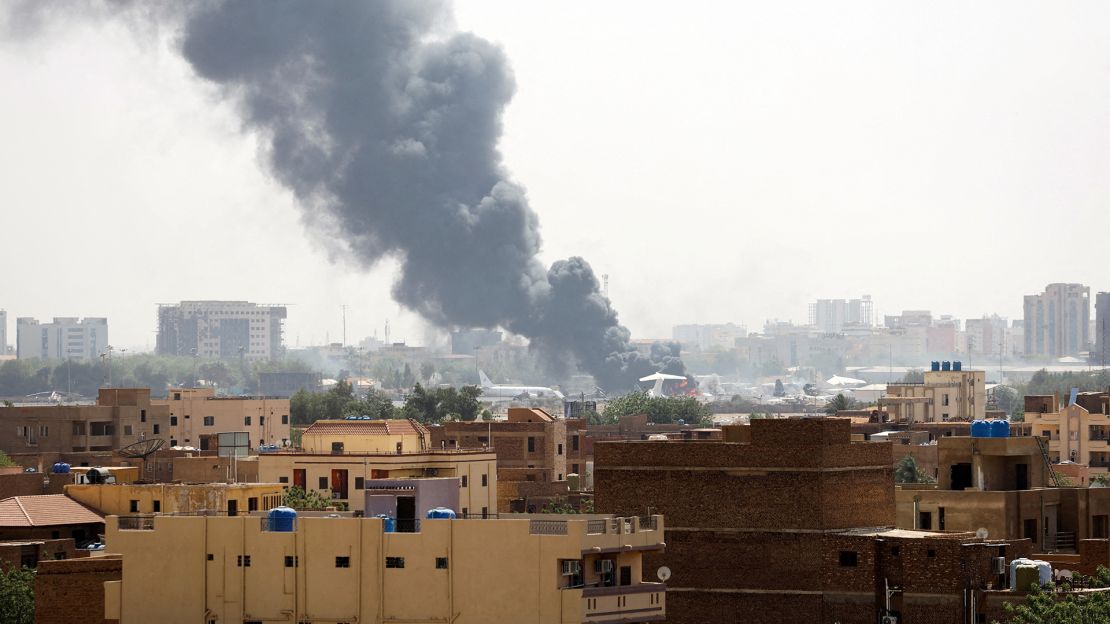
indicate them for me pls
(174, 498)
(72, 591)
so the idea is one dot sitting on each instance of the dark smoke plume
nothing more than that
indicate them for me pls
(387, 131)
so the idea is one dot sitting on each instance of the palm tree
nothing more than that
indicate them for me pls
(906, 471)
(840, 403)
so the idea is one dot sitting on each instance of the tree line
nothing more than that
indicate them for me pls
(426, 405)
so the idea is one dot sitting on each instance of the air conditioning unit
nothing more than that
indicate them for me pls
(999, 566)
(890, 619)
(572, 567)
(603, 566)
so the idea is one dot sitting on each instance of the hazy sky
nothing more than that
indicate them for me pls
(721, 162)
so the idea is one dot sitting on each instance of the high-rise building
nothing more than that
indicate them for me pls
(1057, 321)
(1101, 354)
(708, 337)
(64, 338)
(3, 332)
(221, 329)
(830, 316)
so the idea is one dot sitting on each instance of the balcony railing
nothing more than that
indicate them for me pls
(136, 523)
(595, 527)
(547, 527)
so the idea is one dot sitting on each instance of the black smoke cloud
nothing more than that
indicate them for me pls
(386, 130)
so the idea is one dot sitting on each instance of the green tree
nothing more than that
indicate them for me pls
(841, 403)
(913, 376)
(311, 500)
(659, 410)
(906, 471)
(437, 404)
(1101, 479)
(6, 461)
(427, 369)
(17, 595)
(1044, 605)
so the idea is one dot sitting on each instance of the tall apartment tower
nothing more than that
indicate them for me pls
(830, 316)
(64, 338)
(1101, 354)
(3, 332)
(1057, 321)
(221, 329)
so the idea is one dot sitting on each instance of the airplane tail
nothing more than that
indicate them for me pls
(486, 383)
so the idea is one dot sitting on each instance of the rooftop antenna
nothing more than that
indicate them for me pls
(142, 449)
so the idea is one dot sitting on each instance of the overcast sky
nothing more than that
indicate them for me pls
(721, 162)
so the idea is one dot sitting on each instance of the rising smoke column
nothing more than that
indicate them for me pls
(386, 130)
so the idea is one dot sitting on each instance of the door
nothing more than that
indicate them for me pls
(232, 507)
(339, 483)
(300, 479)
(1022, 477)
(961, 476)
(406, 514)
(626, 575)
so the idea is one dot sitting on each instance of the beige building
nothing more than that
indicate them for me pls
(177, 498)
(355, 435)
(345, 477)
(944, 395)
(196, 415)
(1076, 433)
(533, 569)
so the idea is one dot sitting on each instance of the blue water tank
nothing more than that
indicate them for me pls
(980, 429)
(283, 519)
(441, 513)
(946, 365)
(935, 366)
(389, 525)
(60, 468)
(957, 366)
(1000, 428)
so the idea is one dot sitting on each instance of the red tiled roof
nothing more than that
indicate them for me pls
(365, 427)
(44, 510)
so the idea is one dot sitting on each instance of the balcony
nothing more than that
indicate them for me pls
(646, 602)
(634, 533)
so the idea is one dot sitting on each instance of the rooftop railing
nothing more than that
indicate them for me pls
(547, 527)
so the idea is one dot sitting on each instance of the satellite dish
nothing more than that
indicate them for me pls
(982, 533)
(664, 573)
(142, 448)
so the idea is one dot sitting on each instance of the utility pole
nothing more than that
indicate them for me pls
(344, 307)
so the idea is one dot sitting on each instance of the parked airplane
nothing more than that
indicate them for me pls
(497, 392)
(659, 378)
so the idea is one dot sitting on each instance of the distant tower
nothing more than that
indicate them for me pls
(605, 287)
(387, 332)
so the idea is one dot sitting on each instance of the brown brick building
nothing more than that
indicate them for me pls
(789, 521)
(72, 591)
(120, 417)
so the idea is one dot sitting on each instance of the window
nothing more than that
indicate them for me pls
(142, 415)
(291, 561)
(336, 447)
(209, 421)
(574, 468)
(173, 442)
(244, 561)
(157, 506)
(441, 563)
(531, 444)
(465, 511)
(44, 430)
(464, 481)
(932, 552)
(394, 562)
(285, 419)
(559, 477)
(261, 420)
(78, 428)
(246, 421)
(176, 396)
(485, 480)
(485, 512)
(156, 428)
(127, 430)
(173, 421)
(574, 443)
(849, 558)
(560, 449)
(360, 483)
(134, 506)
(344, 562)
(945, 400)
(323, 483)
(211, 557)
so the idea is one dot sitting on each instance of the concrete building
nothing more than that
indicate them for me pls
(1004, 485)
(344, 477)
(788, 521)
(831, 316)
(708, 337)
(64, 338)
(176, 498)
(197, 415)
(1101, 353)
(1057, 321)
(221, 329)
(944, 395)
(531, 448)
(1077, 432)
(120, 417)
(71, 591)
(238, 569)
(3, 332)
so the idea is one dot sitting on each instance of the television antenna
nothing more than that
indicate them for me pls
(142, 449)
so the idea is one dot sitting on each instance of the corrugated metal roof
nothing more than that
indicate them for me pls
(365, 427)
(44, 510)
